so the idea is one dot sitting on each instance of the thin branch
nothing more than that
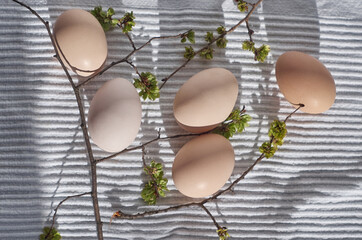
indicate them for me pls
(83, 125)
(211, 216)
(134, 67)
(250, 31)
(131, 41)
(158, 138)
(58, 206)
(128, 56)
(301, 105)
(144, 156)
(246, 18)
(122, 215)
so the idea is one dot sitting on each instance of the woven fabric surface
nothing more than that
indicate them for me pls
(311, 189)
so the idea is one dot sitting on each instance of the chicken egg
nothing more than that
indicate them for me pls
(203, 165)
(205, 100)
(304, 79)
(114, 116)
(81, 41)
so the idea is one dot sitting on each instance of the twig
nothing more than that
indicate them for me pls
(300, 106)
(250, 31)
(131, 41)
(246, 18)
(128, 56)
(211, 216)
(59, 204)
(134, 67)
(147, 143)
(83, 125)
(120, 214)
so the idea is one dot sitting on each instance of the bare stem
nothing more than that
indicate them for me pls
(58, 206)
(211, 216)
(83, 125)
(158, 138)
(134, 67)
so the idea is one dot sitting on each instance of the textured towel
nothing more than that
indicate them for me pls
(311, 189)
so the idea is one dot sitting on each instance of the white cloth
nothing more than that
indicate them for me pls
(311, 189)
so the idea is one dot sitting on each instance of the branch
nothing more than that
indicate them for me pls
(211, 216)
(246, 18)
(134, 67)
(125, 59)
(83, 125)
(59, 204)
(122, 215)
(147, 143)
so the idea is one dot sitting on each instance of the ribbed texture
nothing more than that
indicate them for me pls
(311, 189)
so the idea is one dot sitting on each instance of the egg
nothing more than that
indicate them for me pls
(114, 116)
(205, 100)
(81, 41)
(304, 79)
(203, 165)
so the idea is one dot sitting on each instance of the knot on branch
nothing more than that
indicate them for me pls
(117, 214)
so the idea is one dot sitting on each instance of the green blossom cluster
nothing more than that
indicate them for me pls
(156, 186)
(190, 35)
(148, 86)
(223, 233)
(260, 54)
(127, 22)
(53, 235)
(276, 134)
(105, 18)
(242, 5)
(236, 122)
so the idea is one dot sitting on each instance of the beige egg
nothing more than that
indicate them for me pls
(114, 116)
(81, 41)
(304, 79)
(203, 165)
(205, 100)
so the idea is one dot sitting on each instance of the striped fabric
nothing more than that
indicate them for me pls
(311, 189)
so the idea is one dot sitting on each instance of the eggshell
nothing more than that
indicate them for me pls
(304, 79)
(82, 41)
(114, 116)
(203, 165)
(205, 100)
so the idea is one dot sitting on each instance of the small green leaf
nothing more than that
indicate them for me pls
(223, 233)
(221, 43)
(148, 86)
(156, 186)
(110, 12)
(221, 30)
(242, 6)
(236, 122)
(127, 22)
(191, 36)
(189, 53)
(183, 40)
(248, 45)
(262, 52)
(53, 235)
(209, 37)
(207, 53)
(105, 18)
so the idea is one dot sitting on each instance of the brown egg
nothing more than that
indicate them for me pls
(81, 40)
(114, 116)
(203, 165)
(304, 79)
(205, 100)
